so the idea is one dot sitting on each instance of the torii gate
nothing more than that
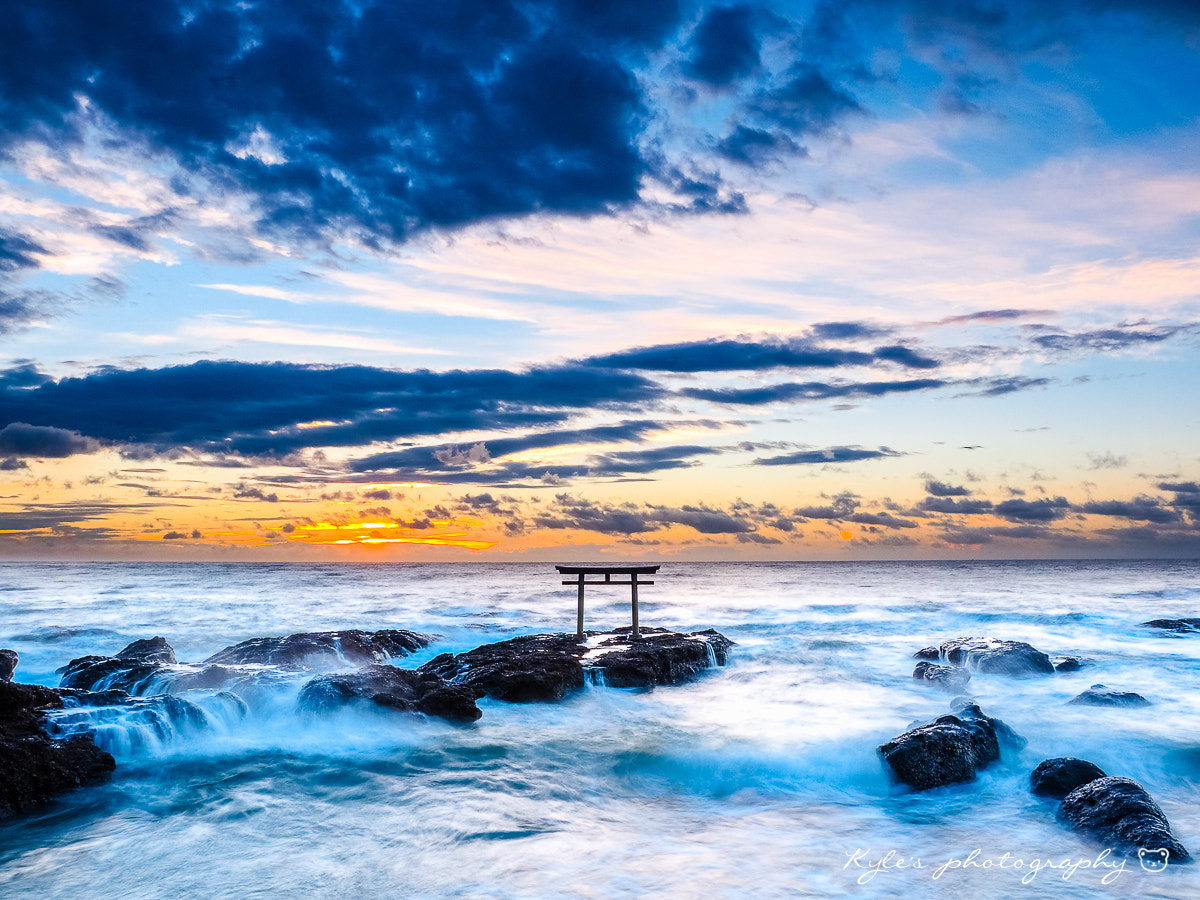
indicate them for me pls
(581, 573)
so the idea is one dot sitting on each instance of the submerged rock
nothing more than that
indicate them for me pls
(408, 690)
(1070, 663)
(989, 655)
(324, 649)
(1181, 626)
(1099, 695)
(546, 667)
(8, 664)
(132, 669)
(1059, 776)
(1119, 813)
(35, 767)
(948, 678)
(931, 654)
(949, 750)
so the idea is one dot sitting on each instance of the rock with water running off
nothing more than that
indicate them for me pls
(408, 690)
(546, 667)
(949, 750)
(36, 768)
(1179, 626)
(949, 678)
(1059, 776)
(8, 664)
(1119, 813)
(930, 654)
(323, 649)
(132, 669)
(996, 657)
(1070, 663)
(1099, 695)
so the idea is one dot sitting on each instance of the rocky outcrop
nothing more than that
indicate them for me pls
(949, 750)
(407, 690)
(1180, 626)
(931, 654)
(546, 667)
(8, 664)
(1099, 695)
(1058, 777)
(949, 678)
(35, 767)
(1070, 663)
(133, 669)
(992, 656)
(324, 649)
(1119, 813)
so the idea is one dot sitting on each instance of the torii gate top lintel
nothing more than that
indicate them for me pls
(581, 573)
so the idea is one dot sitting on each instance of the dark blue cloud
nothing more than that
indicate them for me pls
(1045, 510)
(940, 489)
(955, 507)
(724, 355)
(257, 408)
(1145, 509)
(826, 456)
(724, 46)
(780, 393)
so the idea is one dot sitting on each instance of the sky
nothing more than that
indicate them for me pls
(584, 280)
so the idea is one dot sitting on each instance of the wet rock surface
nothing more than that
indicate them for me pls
(324, 649)
(8, 664)
(993, 656)
(1099, 695)
(931, 654)
(35, 767)
(1180, 626)
(407, 690)
(132, 669)
(1119, 813)
(1059, 776)
(949, 750)
(949, 678)
(1070, 663)
(546, 667)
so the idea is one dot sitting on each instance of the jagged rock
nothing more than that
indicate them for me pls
(8, 664)
(325, 649)
(547, 667)
(408, 690)
(1119, 813)
(1181, 626)
(1058, 777)
(931, 654)
(150, 650)
(1099, 695)
(967, 708)
(102, 673)
(35, 767)
(949, 750)
(1070, 663)
(948, 678)
(993, 656)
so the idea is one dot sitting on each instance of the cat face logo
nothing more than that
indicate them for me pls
(1154, 860)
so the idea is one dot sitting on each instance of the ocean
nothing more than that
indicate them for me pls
(759, 780)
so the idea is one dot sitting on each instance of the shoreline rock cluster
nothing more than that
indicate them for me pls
(146, 683)
(1114, 811)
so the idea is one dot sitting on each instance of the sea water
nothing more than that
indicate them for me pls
(759, 780)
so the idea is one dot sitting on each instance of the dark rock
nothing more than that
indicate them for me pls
(948, 678)
(36, 768)
(1119, 813)
(546, 667)
(102, 673)
(928, 653)
(993, 656)
(150, 650)
(408, 690)
(949, 750)
(966, 708)
(1070, 663)
(325, 649)
(1182, 626)
(1099, 695)
(1058, 777)
(8, 664)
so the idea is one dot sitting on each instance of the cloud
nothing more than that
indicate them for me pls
(1145, 509)
(951, 506)
(21, 439)
(1045, 510)
(725, 355)
(1106, 460)
(939, 489)
(827, 456)
(793, 391)
(724, 46)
